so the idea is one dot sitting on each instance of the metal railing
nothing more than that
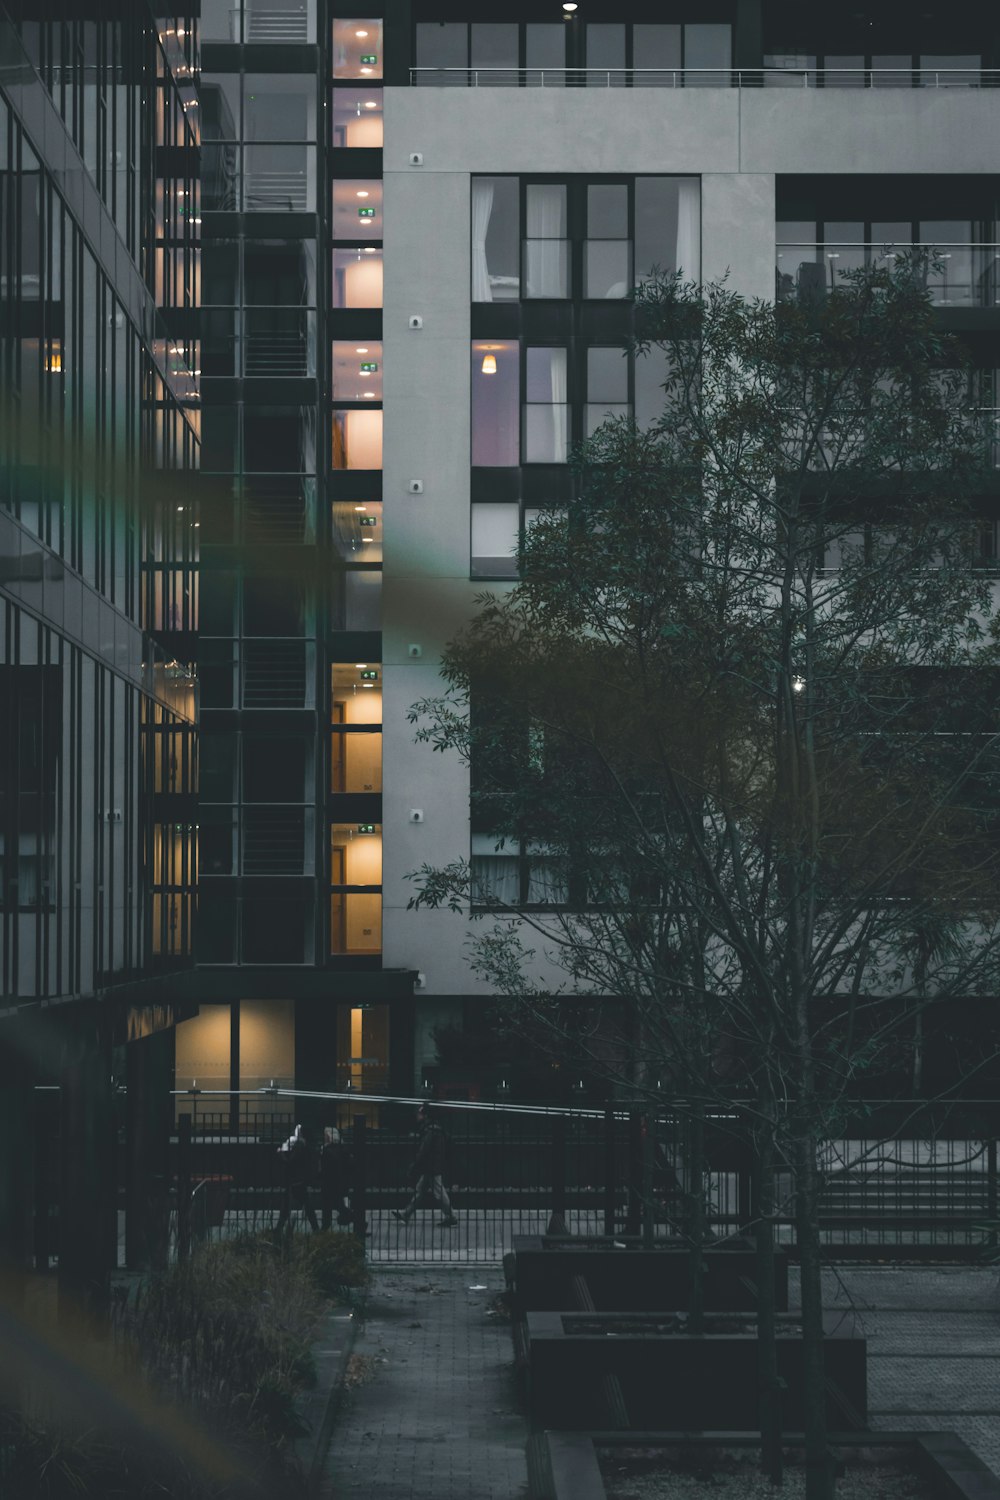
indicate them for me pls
(727, 78)
(956, 274)
(928, 1191)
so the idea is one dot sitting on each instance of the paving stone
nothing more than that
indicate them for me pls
(437, 1417)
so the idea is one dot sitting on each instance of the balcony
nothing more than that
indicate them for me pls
(689, 78)
(956, 275)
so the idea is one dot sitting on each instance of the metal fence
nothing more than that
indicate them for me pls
(689, 78)
(902, 1182)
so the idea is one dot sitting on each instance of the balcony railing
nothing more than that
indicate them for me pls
(725, 78)
(956, 275)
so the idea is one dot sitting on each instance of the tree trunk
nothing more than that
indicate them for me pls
(696, 1217)
(819, 1463)
(767, 1352)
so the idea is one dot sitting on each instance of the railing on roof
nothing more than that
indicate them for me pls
(727, 78)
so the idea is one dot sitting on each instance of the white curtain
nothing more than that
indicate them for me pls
(688, 257)
(496, 878)
(557, 376)
(546, 240)
(482, 209)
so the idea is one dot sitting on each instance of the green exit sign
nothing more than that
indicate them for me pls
(368, 369)
(368, 520)
(370, 675)
(369, 58)
(366, 213)
(366, 827)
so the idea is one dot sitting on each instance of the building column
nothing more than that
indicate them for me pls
(147, 1139)
(17, 1154)
(88, 1221)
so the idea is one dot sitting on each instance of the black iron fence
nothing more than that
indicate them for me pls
(903, 1181)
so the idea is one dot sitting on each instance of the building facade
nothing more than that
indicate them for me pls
(304, 311)
(98, 242)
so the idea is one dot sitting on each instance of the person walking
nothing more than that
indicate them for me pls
(428, 1170)
(335, 1177)
(299, 1170)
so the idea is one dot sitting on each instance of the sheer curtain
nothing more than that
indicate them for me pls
(482, 209)
(688, 256)
(496, 879)
(557, 377)
(546, 240)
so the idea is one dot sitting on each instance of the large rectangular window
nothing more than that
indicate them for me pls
(496, 395)
(593, 238)
(545, 430)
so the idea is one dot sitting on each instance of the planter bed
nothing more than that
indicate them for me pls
(568, 1466)
(644, 1371)
(622, 1276)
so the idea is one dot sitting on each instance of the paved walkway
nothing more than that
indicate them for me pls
(431, 1410)
(933, 1348)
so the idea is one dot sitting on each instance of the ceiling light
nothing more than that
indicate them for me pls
(569, 6)
(361, 508)
(364, 375)
(371, 104)
(366, 71)
(798, 684)
(370, 250)
(361, 33)
(368, 684)
(361, 665)
(370, 395)
(367, 538)
(489, 364)
(361, 350)
(361, 193)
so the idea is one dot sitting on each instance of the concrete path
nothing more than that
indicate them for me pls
(933, 1348)
(430, 1411)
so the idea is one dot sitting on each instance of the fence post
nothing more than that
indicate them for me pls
(360, 1184)
(183, 1187)
(609, 1172)
(991, 1191)
(557, 1219)
(633, 1212)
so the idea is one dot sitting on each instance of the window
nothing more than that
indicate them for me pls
(357, 439)
(545, 424)
(356, 888)
(357, 117)
(515, 873)
(546, 247)
(608, 249)
(356, 728)
(357, 49)
(357, 209)
(495, 218)
(607, 387)
(630, 226)
(963, 268)
(356, 370)
(357, 276)
(495, 534)
(496, 388)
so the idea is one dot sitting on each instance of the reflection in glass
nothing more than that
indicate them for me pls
(357, 277)
(494, 540)
(607, 387)
(357, 117)
(357, 530)
(606, 49)
(279, 107)
(607, 253)
(279, 179)
(443, 44)
(655, 47)
(495, 384)
(707, 46)
(494, 46)
(545, 47)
